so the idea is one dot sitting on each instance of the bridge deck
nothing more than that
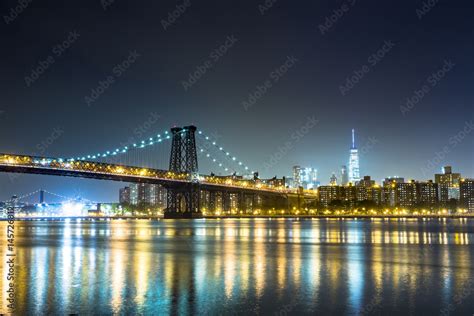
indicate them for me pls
(115, 172)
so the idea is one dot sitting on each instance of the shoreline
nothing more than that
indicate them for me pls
(295, 217)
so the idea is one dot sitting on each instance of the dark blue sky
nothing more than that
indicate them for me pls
(328, 47)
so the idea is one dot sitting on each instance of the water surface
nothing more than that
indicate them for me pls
(244, 266)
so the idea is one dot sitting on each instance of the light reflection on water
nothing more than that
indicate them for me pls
(243, 266)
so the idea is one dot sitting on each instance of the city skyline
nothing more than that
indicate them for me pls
(266, 157)
(314, 182)
(226, 90)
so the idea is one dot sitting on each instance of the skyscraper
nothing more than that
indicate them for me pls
(354, 174)
(297, 176)
(344, 176)
(305, 177)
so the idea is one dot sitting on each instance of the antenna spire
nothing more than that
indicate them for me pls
(353, 138)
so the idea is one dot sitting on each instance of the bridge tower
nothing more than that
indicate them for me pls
(183, 198)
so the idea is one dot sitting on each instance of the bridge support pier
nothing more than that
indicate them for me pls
(183, 201)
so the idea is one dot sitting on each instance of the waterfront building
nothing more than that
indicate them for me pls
(368, 190)
(274, 182)
(142, 194)
(406, 194)
(124, 195)
(329, 193)
(354, 172)
(427, 193)
(366, 182)
(349, 195)
(467, 194)
(391, 180)
(448, 184)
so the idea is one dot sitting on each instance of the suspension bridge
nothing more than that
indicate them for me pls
(187, 190)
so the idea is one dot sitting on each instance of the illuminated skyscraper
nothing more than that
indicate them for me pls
(354, 174)
(305, 177)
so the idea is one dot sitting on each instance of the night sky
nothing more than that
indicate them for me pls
(343, 64)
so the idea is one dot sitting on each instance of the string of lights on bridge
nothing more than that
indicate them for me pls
(226, 153)
(139, 145)
(159, 139)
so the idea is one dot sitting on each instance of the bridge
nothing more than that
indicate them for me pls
(187, 190)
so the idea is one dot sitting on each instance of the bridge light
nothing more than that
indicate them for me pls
(214, 159)
(199, 132)
(207, 137)
(159, 136)
(246, 168)
(89, 157)
(233, 158)
(213, 143)
(240, 163)
(207, 155)
(227, 154)
(220, 148)
(202, 150)
(220, 165)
